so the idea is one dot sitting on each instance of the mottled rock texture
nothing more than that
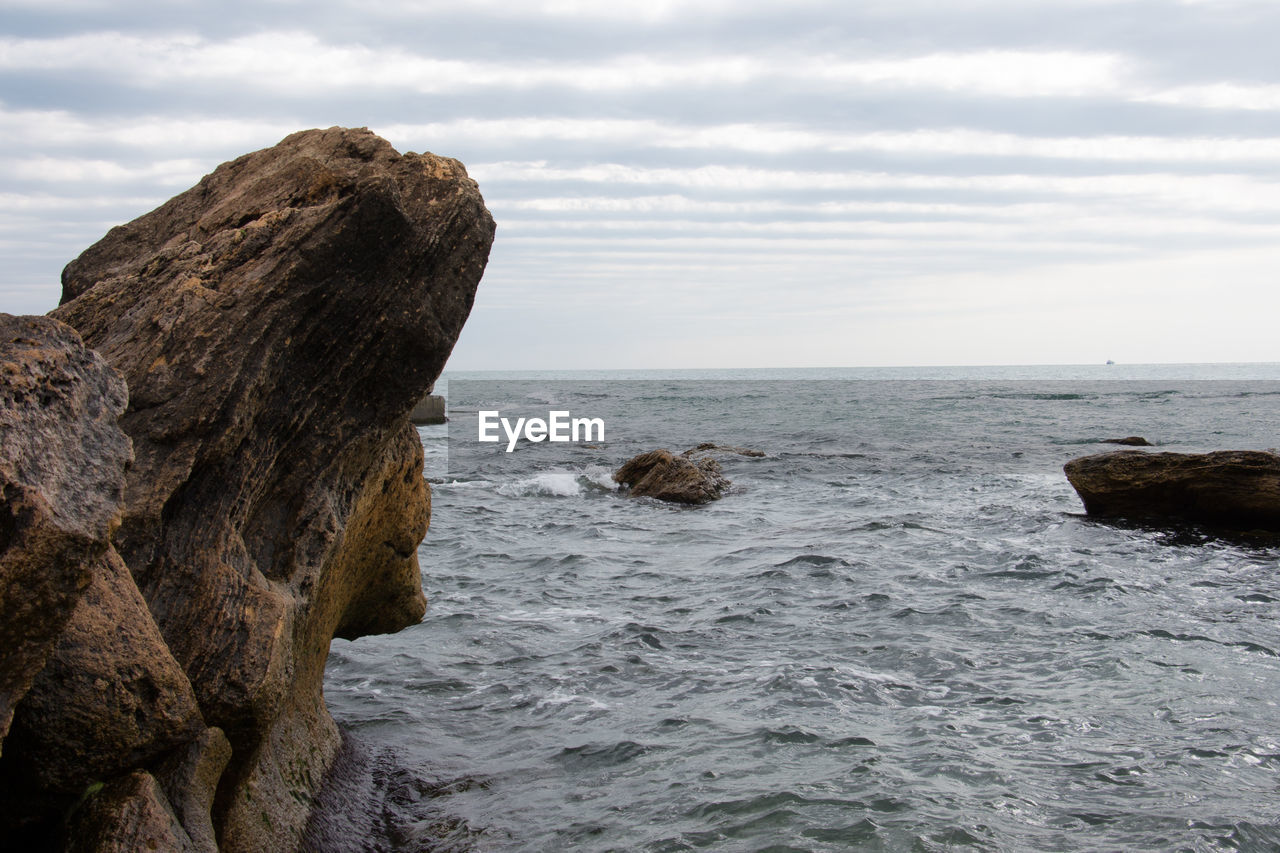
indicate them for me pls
(104, 695)
(62, 469)
(126, 815)
(662, 475)
(110, 698)
(1234, 489)
(276, 324)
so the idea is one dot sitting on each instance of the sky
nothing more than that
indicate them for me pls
(718, 183)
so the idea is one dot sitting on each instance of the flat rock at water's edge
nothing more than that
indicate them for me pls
(1235, 489)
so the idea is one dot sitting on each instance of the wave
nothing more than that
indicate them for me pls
(560, 483)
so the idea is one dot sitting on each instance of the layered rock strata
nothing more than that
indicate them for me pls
(1234, 489)
(275, 326)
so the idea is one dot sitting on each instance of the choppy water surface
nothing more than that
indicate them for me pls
(897, 633)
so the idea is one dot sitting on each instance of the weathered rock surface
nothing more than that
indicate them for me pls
(275, 325)
(1129, 440)
(679, 479)
(1235, 489)
(62, 467)
(127, 815)
(189, 778)
(110, 698)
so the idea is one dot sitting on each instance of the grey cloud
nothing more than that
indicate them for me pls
(706, 187)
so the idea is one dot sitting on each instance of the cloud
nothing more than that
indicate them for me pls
(792, 170)
(1219, 96)
(81, 171)
(294, 61)
(1224, 192)
(779, 139)
(65, 129)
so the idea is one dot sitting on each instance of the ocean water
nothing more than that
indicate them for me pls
(896, 632)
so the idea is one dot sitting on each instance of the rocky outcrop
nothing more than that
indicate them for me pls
(62, 467)
(275, 325)
(103, 695)
(1234, 489)
(693, 477)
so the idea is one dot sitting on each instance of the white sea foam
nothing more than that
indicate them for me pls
(560, 484)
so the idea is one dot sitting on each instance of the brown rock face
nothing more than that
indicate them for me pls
(1235, 489)
(110, 698)
(127, 815)
(678, 479)
(276, 324)
(62, 465)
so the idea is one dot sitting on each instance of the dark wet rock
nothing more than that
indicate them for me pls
(1131, 441)
(372, 801)
(1234, 489)
(276, 325)
(679, 479)
(62, 468)
(710, 449)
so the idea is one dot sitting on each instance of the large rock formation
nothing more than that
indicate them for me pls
(97, 691)
(1235, 489)
(275, 325)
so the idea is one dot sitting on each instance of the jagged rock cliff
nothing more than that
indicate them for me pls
(275, 325)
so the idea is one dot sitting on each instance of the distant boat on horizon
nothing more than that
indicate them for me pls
(1109, 361)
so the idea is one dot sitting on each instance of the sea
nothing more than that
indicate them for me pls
(897, 631)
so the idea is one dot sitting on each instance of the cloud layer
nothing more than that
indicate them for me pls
(719, 184)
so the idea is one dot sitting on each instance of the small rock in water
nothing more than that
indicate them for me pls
(1130, 440)
(680, 479)
(708, 447)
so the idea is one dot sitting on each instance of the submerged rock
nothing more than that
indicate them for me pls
(1235, 489)
(276, 325)
(708, 448)
(1130, 440)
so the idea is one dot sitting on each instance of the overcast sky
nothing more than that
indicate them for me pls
(719, 183)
